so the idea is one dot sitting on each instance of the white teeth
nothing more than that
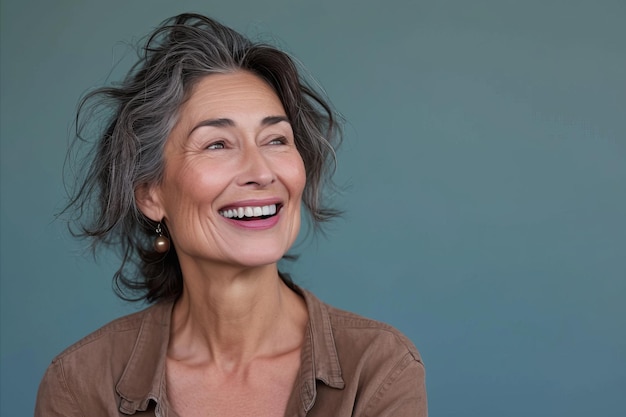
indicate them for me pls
(241, 212)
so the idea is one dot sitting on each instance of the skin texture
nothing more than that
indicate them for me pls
(236, 322)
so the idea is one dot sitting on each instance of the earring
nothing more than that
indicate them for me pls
(161, 243)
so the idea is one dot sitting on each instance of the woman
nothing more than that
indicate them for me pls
(213, 144)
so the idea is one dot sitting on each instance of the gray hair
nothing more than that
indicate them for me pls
(139, 114)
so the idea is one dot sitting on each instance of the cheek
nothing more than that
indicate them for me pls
(190, 189)
(298, 176)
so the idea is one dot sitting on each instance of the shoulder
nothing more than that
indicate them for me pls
(356, 338)
(90, 369)
(354, 331)
(379, 369)
(115, 335)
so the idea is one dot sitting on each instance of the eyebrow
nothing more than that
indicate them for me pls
(225, 122)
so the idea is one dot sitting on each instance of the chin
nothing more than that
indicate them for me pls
(257, 259)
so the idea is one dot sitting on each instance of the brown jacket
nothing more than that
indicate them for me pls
(351, 366)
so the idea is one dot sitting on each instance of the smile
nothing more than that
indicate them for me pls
(249, 212)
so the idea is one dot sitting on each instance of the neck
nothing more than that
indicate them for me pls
(232, 317)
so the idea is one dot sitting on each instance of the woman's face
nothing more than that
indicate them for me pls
(233, 177)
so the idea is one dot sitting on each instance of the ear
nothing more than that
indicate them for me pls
(148, 201)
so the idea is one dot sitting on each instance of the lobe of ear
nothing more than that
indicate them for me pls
(148, 202)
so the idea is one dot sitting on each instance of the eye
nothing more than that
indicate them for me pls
(216, 145)
(278, 141)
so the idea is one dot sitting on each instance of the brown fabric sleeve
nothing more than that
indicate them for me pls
(402, 393)
(54, 398)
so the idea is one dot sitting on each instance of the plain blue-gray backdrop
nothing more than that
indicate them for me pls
(485, 185)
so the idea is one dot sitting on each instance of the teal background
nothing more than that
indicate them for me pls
(485, 186)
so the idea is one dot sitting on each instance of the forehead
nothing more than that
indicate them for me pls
(238, 93)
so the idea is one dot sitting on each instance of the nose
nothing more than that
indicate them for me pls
(256, 170)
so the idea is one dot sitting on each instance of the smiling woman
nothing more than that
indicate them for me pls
(214, 145)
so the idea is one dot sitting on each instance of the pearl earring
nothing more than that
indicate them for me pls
(161, 243)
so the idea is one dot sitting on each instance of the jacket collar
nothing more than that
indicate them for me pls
(319, 353)
(144, 376)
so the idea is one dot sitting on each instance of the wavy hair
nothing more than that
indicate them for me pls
(136, 117)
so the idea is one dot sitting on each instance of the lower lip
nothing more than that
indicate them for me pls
(260, 224)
